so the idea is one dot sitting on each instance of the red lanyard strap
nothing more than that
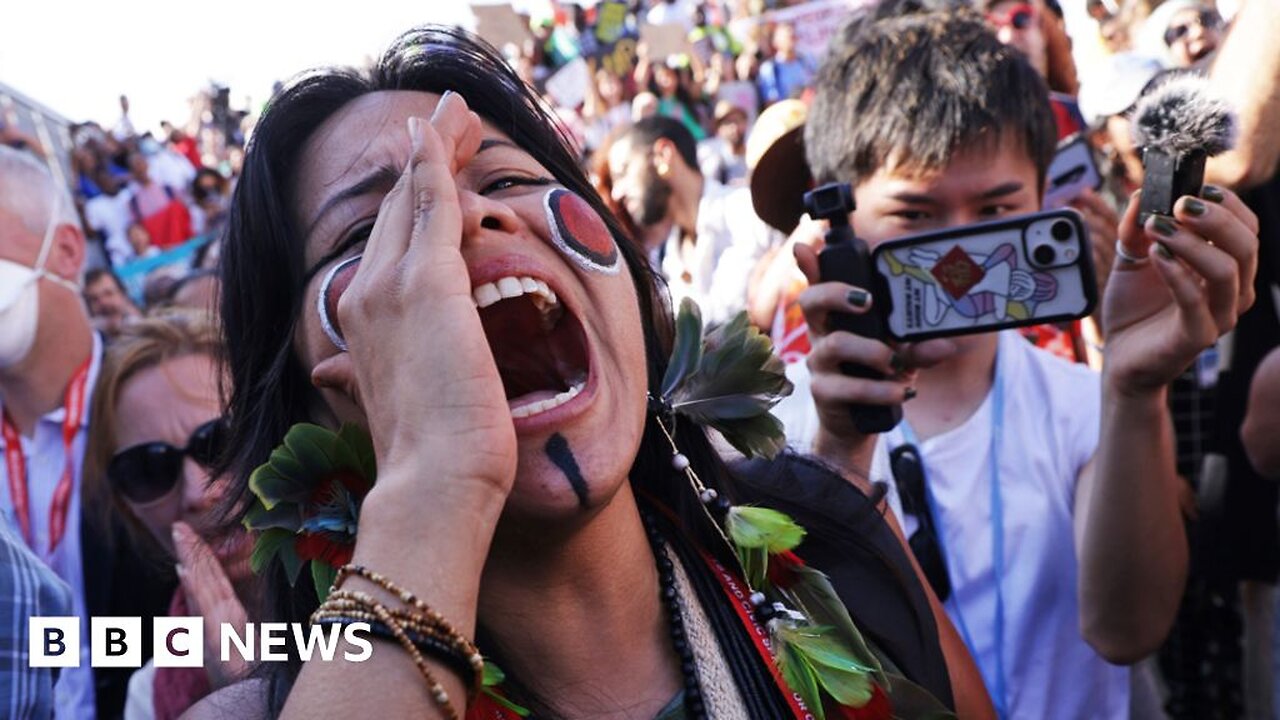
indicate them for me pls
(16, 463)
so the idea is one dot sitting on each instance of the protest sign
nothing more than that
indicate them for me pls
(499, 25)
(568, 86)
(665, 40)
(615, 41)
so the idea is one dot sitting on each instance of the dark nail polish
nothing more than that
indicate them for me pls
(1193, 207)
(1163, 251)
(897, 363)
(1213, 193)
(1164, 226)
(909, 394)
(858, 298)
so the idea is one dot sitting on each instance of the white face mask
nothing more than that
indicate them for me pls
(20, 298)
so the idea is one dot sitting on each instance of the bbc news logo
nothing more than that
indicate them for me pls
(179, 642)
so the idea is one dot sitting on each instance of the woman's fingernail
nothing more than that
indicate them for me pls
(858, 298)
(1213, 193)
(415, 133)
(909, 394)
(179, 570)
(897, 363)
(1163, 251)
(1164, 226)
(1193, 207)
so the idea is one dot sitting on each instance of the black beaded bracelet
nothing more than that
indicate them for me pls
(426, 645)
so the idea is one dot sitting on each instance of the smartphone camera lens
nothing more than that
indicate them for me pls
(1061, 231)
(1044, 255)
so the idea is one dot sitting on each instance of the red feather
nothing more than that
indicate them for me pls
(313, 546)
(782, 569)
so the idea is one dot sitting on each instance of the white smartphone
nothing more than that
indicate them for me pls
(1025, 270)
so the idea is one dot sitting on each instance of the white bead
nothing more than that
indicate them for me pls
(680, 462)
(707, 495)
(757, 598)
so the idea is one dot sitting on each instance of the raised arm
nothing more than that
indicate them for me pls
(1247, 73)
(421, 407)
(1262, 421)
(1160, 314)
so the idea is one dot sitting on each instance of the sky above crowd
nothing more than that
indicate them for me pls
(78, 57)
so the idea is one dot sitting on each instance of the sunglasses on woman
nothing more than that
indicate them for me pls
(147, 472)
(1206, 19)
(1018, 17)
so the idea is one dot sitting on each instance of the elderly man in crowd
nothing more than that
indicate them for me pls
(49, 359)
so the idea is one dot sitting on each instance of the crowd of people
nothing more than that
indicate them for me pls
(486, 264)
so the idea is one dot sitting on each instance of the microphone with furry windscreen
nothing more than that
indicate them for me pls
(1177, 127)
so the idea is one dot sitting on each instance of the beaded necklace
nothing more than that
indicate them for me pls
(694, 707)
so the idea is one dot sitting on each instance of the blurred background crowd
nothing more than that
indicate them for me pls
(689, 117)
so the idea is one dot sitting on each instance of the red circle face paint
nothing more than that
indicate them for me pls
(578, 231)
(334, 285)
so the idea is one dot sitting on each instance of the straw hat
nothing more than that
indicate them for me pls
(779, 173)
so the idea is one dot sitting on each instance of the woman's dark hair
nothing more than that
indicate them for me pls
(263, 269)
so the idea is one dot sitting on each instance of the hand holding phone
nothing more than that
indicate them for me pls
(846, 258)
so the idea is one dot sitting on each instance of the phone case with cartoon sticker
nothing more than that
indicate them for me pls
(1007, 273)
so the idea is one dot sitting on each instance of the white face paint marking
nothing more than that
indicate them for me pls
(322, 306)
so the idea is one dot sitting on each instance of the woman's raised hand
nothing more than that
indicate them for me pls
(425, 375)
(209, 594)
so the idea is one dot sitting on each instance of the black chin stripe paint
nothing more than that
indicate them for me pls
(558, 450)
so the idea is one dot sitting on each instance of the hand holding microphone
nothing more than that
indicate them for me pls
(1178, 126)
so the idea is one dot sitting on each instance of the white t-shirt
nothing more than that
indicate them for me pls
(112, 216)
(731, 239)
(1051, 421)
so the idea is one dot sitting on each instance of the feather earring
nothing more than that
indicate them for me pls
(729, 380)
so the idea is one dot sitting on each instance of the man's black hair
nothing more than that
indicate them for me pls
(911, 91)
(94, 275)
(644, 133)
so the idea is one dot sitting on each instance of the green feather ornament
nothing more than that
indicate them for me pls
(490, 683)
(813, 595)
(757, 533)
(810, 656)
(727, 380)
(306, 501)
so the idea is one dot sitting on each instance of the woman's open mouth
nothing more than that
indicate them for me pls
(538, 345)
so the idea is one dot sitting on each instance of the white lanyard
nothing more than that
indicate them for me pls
(997, 540)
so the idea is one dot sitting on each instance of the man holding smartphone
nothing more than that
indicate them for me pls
(1039, 496)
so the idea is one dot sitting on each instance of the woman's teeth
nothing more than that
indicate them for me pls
(542, 296)
(541, 406)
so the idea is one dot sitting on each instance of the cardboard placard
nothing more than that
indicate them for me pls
(665, 40)
(568, 86)
(814, 22)
(500, 24)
